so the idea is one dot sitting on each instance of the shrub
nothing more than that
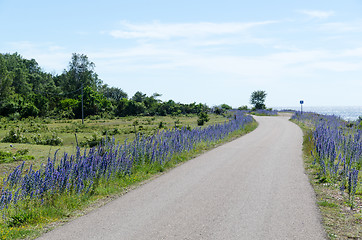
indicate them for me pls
(200, 122)
(92, 141)
(203, 117)
(15, 136)
(20, 155)
(29, 110)
(5, 154)
(52, 140)
(112, 132)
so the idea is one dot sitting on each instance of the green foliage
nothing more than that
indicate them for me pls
(226, 107)
(243, 108)
(257, 99)
(19, 155)
(52, 140)
(112, 132)
(203, 117)
(221, 109)
(94, 102)
(67, 106)
(359, 122)
(15, 136)
(92, 141)
(139, 97)
(29, 109)
(113, 93)
(27, 91)
(5, 154)
(80, 74)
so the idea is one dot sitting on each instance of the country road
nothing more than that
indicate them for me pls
(251, 188)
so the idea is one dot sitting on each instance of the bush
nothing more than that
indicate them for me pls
(203, 117)
(20, 155)
(52, 140)
(29, 110)
(14, 116)
(200, 122)
(245, 108)
(112, 132)
(5, 154)
(92, 141)
(15, 136)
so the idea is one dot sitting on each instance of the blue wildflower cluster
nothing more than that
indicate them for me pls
(338, 149)
(81, 172)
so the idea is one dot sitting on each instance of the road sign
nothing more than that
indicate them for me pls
(301, 101)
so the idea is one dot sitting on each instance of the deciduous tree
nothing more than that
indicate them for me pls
(257, 99)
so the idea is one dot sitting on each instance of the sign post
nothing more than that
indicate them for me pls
(301, 106)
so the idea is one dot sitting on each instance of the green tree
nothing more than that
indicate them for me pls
(127, 107)
(139, 97)
(66, 107)
(94, 103)
(257, 99)
(152, 104)
(243, 107)
(80, 73)
(113, 93)
(203, 117)
(6, 80)
(226, 107)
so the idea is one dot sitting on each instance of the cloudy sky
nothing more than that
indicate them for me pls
(202, 51)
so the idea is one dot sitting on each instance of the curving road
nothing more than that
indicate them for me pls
(251, 188)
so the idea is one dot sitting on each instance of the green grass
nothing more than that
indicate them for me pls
(30, 219)
(338, 219)
(69, 130)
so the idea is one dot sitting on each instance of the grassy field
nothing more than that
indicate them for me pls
(72, 131)
(30, 219)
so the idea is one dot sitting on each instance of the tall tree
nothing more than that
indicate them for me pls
(113, 93)
(257, 99)
(6, 80)
(139, 97)
(80, 73)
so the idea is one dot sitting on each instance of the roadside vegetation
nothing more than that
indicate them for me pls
(264, 112)
(37, 196)
(69, 142)
(333, 160)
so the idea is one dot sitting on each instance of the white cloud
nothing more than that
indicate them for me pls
(317, 14)
(337, 66)
(342, 27)
(157, 30)
(357, 52)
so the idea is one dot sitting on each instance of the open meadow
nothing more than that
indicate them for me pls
(42, 190)
(63, 135)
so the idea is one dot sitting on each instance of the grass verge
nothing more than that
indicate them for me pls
(338, 219)
(33, 219)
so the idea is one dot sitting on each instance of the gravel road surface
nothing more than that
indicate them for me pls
(251, 188)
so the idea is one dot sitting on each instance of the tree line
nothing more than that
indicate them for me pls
(27, 91)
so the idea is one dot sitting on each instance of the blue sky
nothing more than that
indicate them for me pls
(210, 52)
